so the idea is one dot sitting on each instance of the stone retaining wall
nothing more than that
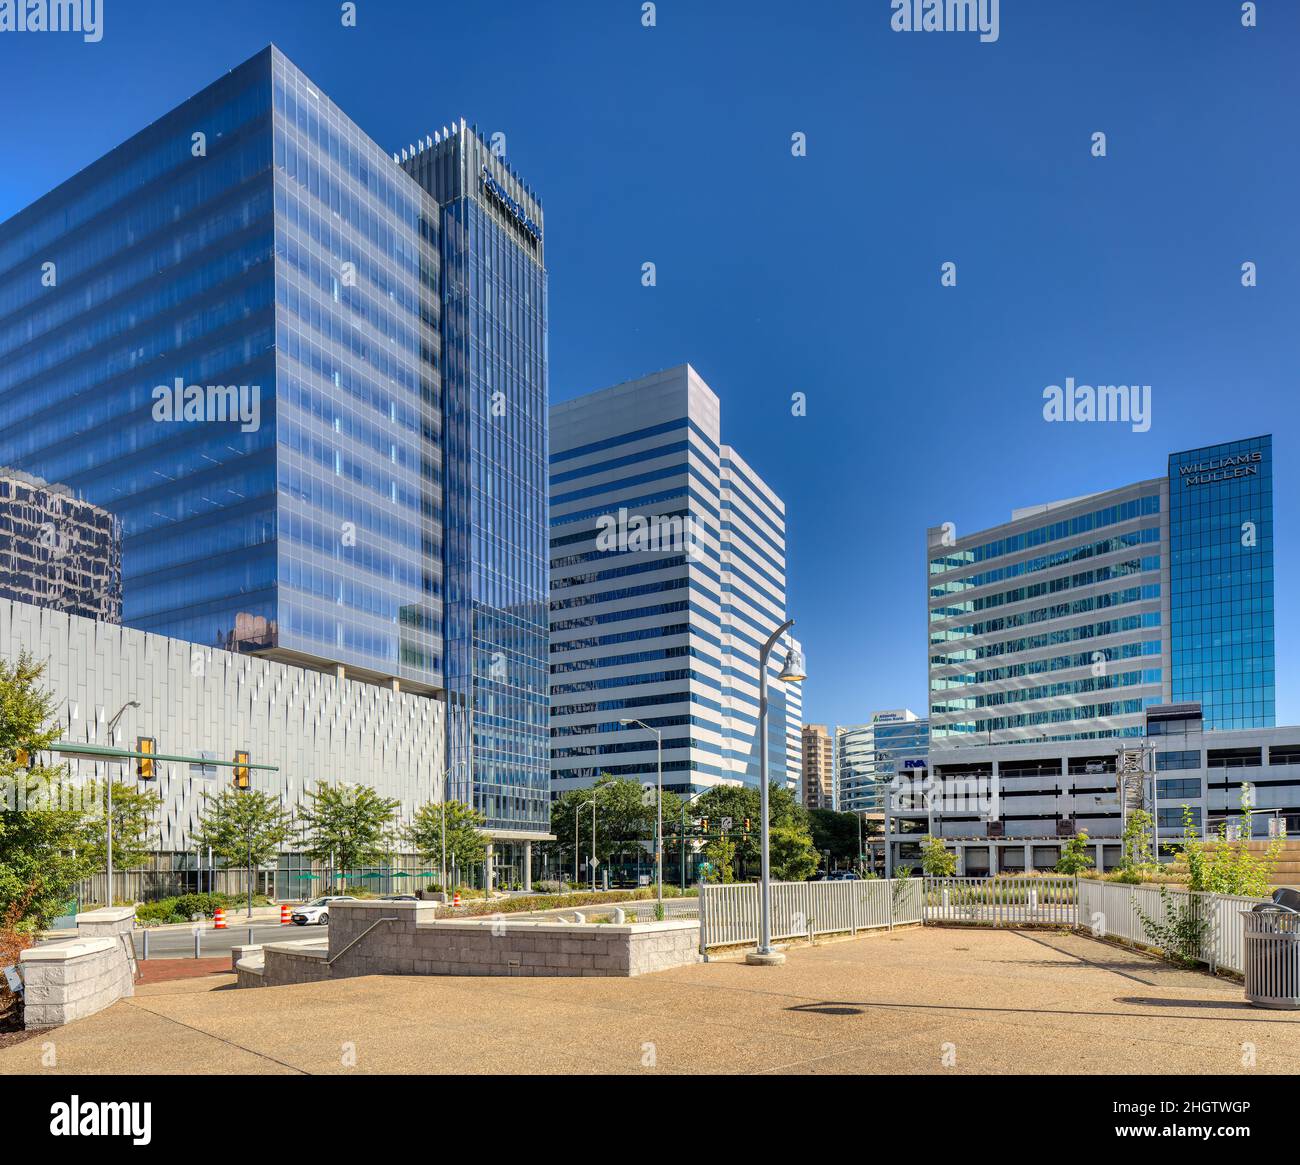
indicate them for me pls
(67, 980)
(404, 938)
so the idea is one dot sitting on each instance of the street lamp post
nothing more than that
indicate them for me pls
(112, 727)
(659, 807)
(446, 772)
(576, 810)
(686, 805)
(791, 671)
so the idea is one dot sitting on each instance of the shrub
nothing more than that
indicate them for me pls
(1075, 858)
(1225, 867)
(936, 860)
(1180, 935)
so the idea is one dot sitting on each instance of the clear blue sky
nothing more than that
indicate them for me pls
(821, 274)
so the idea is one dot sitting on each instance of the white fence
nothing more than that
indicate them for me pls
(1047, 900)
(729, 914)
(1114, 910)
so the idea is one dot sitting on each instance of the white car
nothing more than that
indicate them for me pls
(317, 911)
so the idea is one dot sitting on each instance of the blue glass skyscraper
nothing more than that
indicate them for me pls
(1221, 581)
(310, 379)
(494, 386)
(1076, 617)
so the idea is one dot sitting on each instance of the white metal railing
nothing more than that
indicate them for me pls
(729, 914)
(1047, 899)
(1114, 910)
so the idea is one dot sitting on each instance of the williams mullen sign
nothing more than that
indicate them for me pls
(1218, 469)
(511, 207)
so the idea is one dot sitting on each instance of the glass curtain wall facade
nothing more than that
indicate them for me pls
(869, 756)
(371, 494)
(1071, 620)
(1050, 627)
(1221, 582)
(57, 551)
(234, 349)
(495, 400)
(152, 265)
(359, 440)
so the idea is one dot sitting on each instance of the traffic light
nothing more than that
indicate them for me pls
(746, 824)
(144, 766)
(704, 825)
(241, 770)
(22, 758)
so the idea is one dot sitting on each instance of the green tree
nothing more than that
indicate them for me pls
(840, 833)
(791, 853)
(465, 837)
(136, 811)
(721, 855)
(742, 801)
(1075, 857)
(936, 859)
(245, 827)
(347, 825)
(47, 838)
(1136, 842)
(625, 818)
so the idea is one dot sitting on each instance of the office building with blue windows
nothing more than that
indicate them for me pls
(1071, 620)
(308, 376)
(1133, 625)
(667, 575)
(868, 756)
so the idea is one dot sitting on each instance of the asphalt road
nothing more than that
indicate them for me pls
(178, 942)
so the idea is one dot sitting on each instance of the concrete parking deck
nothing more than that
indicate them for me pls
(927, 1000)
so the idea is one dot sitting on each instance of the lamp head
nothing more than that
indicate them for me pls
(793, 669)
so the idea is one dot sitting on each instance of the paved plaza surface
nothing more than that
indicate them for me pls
(917, 1000)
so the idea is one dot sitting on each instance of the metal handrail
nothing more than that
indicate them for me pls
(333, 959)
(128, 940)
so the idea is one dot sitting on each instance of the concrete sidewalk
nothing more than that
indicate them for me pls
(929, 1000)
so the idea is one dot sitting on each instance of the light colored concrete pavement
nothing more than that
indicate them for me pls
(900, 1003)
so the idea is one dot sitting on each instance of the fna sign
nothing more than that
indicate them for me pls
(511, 207)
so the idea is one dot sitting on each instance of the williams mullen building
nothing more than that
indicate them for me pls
(1091, 624)
(667, 575)
(308, 375)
